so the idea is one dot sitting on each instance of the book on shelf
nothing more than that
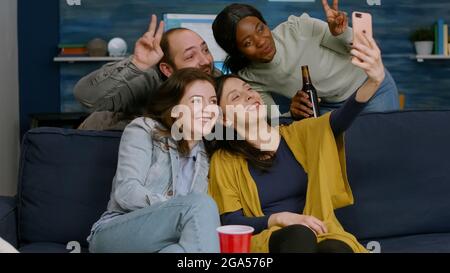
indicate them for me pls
(62, 45)
(436, 35)
(436, 42)
(445, 42)
(441, 40)
(73, 53)
(74, 50)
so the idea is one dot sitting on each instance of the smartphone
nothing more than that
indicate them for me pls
(362, 24)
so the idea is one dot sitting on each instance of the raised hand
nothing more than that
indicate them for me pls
(147, 51)
(367, 56)
(337, 20)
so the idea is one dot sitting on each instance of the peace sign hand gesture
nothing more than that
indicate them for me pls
(147, 51)
(337, 20)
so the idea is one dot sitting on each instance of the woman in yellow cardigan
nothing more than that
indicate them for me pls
(287, 181)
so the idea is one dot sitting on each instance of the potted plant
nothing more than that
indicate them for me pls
(423, 40)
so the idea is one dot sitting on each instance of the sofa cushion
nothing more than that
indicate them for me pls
(399, 170)
(8, 221)
(64, 183)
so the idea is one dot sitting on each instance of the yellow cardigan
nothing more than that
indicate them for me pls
(322, 156)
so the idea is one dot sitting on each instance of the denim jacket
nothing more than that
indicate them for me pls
(147, 170)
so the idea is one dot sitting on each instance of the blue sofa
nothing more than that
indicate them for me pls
(398, 167)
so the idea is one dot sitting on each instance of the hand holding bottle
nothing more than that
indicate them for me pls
(305, 103)
(301, 106)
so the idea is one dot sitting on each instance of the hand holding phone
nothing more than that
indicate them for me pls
(366, 54)
(362, 26)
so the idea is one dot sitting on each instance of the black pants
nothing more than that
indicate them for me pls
(301, 239)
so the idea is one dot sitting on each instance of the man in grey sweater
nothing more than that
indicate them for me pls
(118, 91)
(270, 60)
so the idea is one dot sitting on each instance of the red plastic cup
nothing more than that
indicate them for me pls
(235, 238)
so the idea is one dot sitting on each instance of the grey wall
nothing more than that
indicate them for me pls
(9, 98)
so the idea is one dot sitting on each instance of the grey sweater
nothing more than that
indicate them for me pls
(116, 85)
(307, 41)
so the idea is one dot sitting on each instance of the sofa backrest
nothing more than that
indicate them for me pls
(64, 183)
(398, 167)
(399, 170)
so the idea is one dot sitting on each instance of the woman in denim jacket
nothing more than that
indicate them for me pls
(158, 200)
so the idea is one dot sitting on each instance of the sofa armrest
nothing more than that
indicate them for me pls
(8, 220)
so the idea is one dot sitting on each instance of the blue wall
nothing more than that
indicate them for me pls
(426, 85)
(38, 32)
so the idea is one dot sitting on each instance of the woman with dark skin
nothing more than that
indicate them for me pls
(270, 61)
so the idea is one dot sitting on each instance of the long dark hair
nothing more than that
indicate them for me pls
(224, 30)
(261, 160)
(170, 93)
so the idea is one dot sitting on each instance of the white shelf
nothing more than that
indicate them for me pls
(396, 55)
(87, 59)
(422, 58)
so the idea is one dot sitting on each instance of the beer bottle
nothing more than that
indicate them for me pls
(310, 90)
